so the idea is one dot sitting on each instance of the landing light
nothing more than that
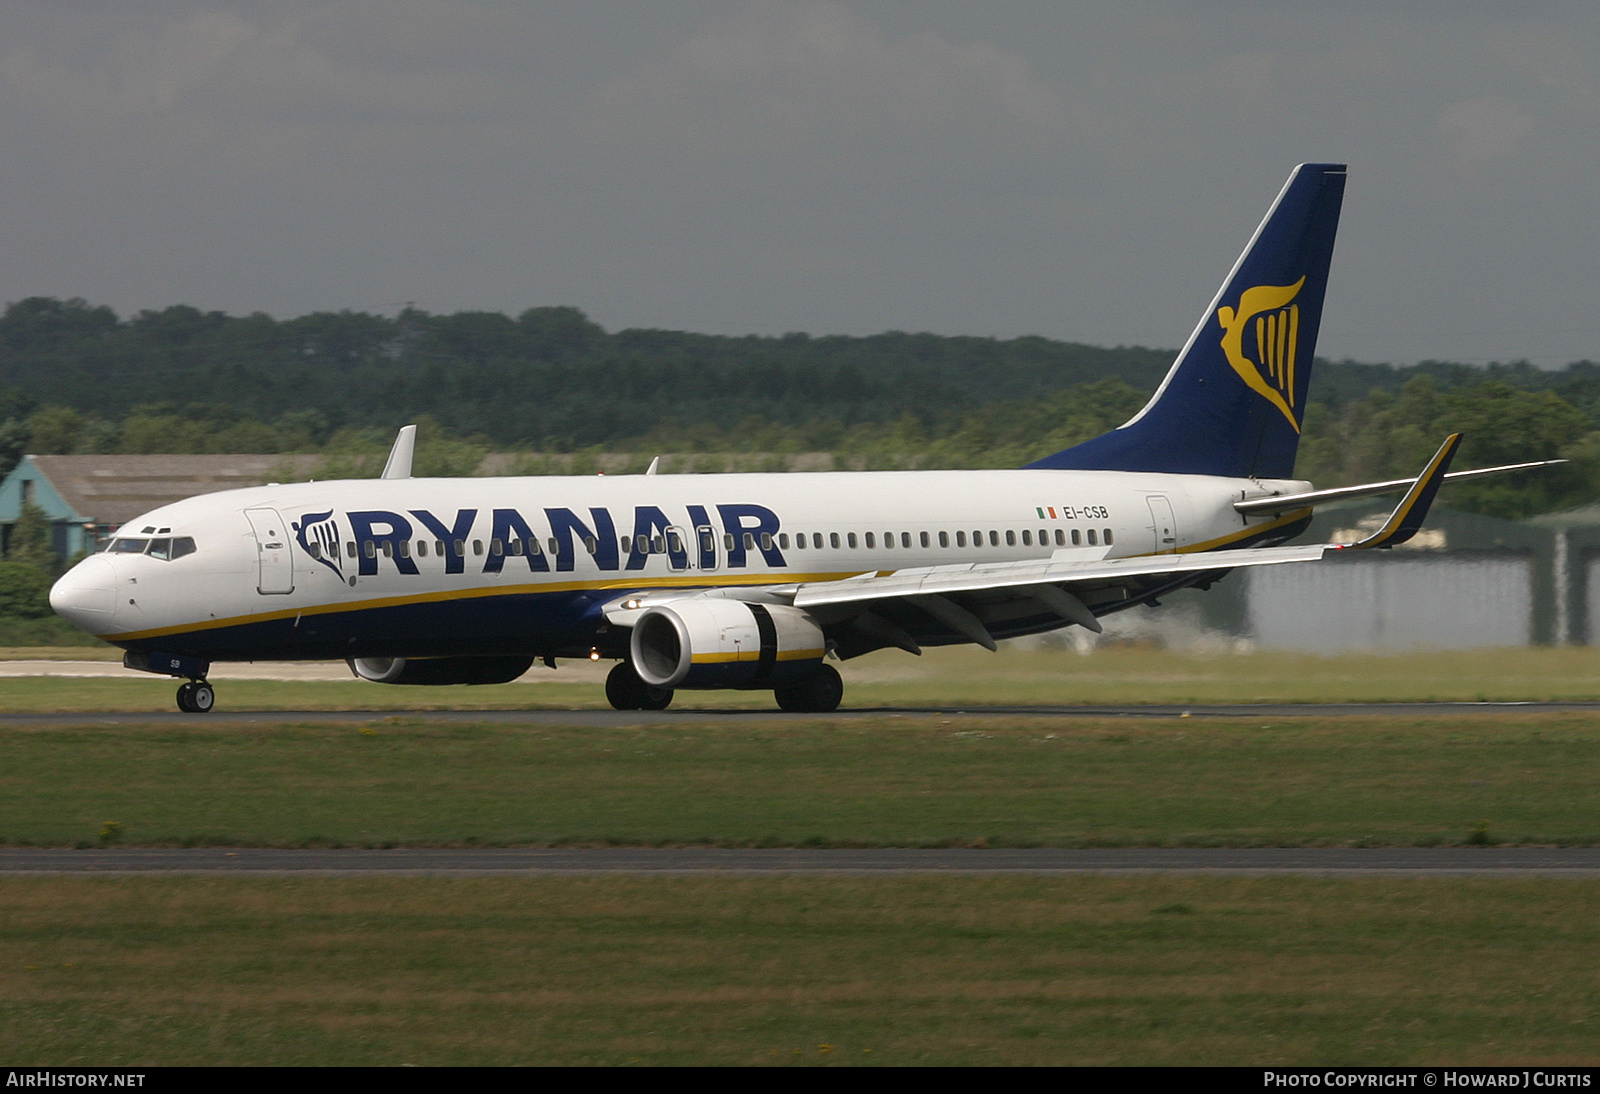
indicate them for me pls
(632, 603)
(594, 653)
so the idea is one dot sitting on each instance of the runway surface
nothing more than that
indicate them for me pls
(680, 716)
(1325, 861)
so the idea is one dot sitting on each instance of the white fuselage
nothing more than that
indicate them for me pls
(434, 566)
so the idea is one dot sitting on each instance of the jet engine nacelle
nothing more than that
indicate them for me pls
(440, 670)
(717, 643)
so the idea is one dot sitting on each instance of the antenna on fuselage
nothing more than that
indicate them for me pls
(654, 465)
(405, 444)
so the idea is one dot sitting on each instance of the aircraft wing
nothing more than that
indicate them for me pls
(1022, 575)
(907, 607)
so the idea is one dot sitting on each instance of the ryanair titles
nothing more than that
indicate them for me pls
(354, 543)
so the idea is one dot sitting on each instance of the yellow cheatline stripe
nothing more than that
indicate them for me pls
(1245, 533)
(753, 655)
(724, 581)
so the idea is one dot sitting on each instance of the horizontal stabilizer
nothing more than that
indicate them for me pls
(1280, 503)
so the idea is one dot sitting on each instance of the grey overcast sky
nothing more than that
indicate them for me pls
(1081, 171)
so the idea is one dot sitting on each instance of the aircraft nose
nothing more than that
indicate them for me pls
(85, 594)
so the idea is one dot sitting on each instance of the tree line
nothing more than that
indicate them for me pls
(77, 378)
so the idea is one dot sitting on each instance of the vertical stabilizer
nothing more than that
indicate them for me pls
(1234, 400)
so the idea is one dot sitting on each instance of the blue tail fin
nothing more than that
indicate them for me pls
(1234, 400)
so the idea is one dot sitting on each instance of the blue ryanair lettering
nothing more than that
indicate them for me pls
(756, 521)
(398, 530)
(647, 520)
(565, 524)
(708, 549)
(509, 525)
(454, 562)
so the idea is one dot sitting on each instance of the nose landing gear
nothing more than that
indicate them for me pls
(196, 697)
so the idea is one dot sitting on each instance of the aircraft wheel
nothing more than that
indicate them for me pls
(818, 693)
(656, 698)
(196, 697)
(624, 689)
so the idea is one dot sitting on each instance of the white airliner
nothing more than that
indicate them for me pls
(755, 581)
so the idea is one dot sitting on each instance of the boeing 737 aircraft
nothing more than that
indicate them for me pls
(756, 581)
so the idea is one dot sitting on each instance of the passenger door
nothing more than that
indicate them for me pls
(276, 575)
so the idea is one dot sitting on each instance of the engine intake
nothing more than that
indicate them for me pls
(717, 643)
(440, 670)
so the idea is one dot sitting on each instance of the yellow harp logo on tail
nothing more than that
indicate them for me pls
(1277, 332)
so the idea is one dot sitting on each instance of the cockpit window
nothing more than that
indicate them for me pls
(162, 548)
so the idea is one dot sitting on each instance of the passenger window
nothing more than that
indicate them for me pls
(850, 538)
(641, 544)
(438, 548)
(1027, 538)
(905, 539)
(1092, 541)
(944, 539)
(477, 546)
(388, 548)
(1076, 539)
(658, 545)
(369, 548)
(994, 538)
(1044, 537)
(350, 549)
(555, 548)
(961, 539)
(800, 540)
(870, 542)
(590, 545)
(496, 548)
(1061, 540)
(1011, 538)
(422, 548)
(184, 545)
(766, 541)
(833, 538)
(315, 551)
(515, 545)
(783, 541)
(461, 547)
(1108, 537)
(749, 541)
(708, 542)
(727, 541)
(674, 543)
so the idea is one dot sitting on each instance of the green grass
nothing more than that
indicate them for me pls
(783, 971)
(962, 676)
(913, 780)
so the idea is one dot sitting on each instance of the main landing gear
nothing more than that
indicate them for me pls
(625, 691)
(196, 697)
(818, 693)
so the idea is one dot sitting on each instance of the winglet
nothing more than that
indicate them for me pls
(1408, 516)
(405, 444)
